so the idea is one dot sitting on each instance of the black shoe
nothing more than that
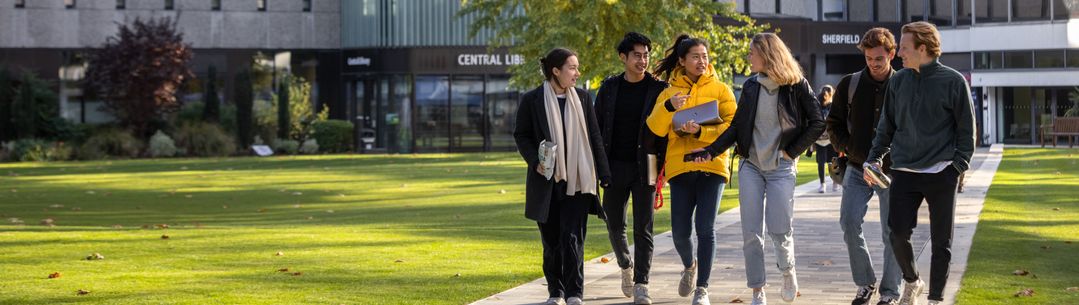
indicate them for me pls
(888, 300)
(864, 294)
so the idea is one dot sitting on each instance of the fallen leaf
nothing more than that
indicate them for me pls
(404, 185)
(162, 226)
(83, 292)
(729, 267)
(1072, 289)
(48, 222)
(224, 206)
(329, 211)
(54, 275)
(1020, 272)
(90, 192)
(501, 191)
(604, 260)
(262, 210)
(145, 226)
(297, 193)
(282, 270)
(279, 253)
(798, 294)
(183, 168)
(737, 300)
(457, 275)
(297, 206)
(1056, 209)
(1046, 247)
(56, 206)
(399, 261)
(95, 256)
(76, 209)
(1067, 241)
(15, 220)
(187, 196)
(310, 217)
(117, 226)
(297, 273)
(1025, 293)
(164, 237)
(824, 262)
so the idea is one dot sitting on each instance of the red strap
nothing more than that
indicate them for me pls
(659, 190)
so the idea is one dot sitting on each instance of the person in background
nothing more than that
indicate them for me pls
(823, 147)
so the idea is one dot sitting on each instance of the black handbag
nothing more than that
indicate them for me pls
(838, 169)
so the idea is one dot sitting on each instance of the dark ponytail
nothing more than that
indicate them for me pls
(554, 59)
(681, 46)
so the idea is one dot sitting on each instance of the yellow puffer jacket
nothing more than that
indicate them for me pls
(706, 89)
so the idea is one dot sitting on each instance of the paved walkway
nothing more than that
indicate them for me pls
(822, 263)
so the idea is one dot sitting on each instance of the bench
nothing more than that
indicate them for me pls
(1062, 127)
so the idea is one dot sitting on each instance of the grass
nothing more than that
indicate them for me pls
(360, 229)
(1030, 222)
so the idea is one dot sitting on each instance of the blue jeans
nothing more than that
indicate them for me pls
(754, 185)
(855, 203)
(700, 192)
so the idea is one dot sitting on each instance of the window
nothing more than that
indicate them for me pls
(20, 3)
(988, 60)
(467, 130)
(1049, 59)
(215, 5)
(914, 10)
(940, 12)
(69, 3)
(307, 5)
(1030, 10)
(965, 15)
(121, 4)
(990, 11)
(170, 4)
(1063, 11)
(432, 117)
(501, 112)
(1018, 60)
(261, 5)
(1073, 58)
(886, 10)
(860, 10)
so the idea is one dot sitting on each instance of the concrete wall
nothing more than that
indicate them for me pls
(238, 25)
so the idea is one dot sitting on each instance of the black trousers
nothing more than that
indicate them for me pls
(626, 182)
(824, 155)
(907, 192)
(563, 243)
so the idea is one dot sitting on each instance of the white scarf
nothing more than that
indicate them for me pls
(573, 160)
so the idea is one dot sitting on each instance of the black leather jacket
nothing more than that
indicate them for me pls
(800, 120)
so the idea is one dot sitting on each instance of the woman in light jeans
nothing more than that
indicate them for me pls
(778, 118)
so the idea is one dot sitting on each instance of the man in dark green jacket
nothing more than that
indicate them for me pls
(928, 127)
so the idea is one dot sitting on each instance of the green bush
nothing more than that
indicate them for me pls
(204, 140)
(334, 136)
(38, 150)
(192, 112)
(161, 145)
(309, 147)
(286, 146)
(110, 142)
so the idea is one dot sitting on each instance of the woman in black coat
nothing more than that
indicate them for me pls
(560, 198)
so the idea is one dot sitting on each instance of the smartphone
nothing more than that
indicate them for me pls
(690, 157)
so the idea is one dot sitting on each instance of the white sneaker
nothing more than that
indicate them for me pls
(688, 281)
(759, 298)
(836, 187)
(640, 295)
(555, 301)
(821, 188)
(627, 281)
(574, 301)
(934, 302)
(700, 296)
(911, 292)
(790, 286)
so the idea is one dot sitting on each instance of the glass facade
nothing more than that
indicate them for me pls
(1024, 113)
(391, 23)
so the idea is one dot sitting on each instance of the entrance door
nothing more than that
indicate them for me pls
(366, 94)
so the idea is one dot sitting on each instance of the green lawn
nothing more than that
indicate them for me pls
(359, 229)
(1030, 222)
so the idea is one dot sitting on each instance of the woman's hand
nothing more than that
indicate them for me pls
(679, 100)
(690, 127)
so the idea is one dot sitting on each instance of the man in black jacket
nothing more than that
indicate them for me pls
(927, 125)
(622, 104)
(855, 111)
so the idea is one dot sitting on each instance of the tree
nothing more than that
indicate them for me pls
(6, 94)
(593, 29)
(137, 72)
(211, 105)
(34, 108)
(245, 100)
(282, 108)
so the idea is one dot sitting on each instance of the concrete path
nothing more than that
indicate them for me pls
(822, 263)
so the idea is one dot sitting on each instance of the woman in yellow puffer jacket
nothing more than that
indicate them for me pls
(694, 186)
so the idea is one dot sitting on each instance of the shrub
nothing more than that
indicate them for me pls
(309, 147)
(36, 150)
(192, 112)
(204, 140)
(333, 135)
(286, 146)
(110, 142)
(161, 145)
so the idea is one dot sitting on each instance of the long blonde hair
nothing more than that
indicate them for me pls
(779, 64)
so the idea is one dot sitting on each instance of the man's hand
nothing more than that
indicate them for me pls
(866, 175)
